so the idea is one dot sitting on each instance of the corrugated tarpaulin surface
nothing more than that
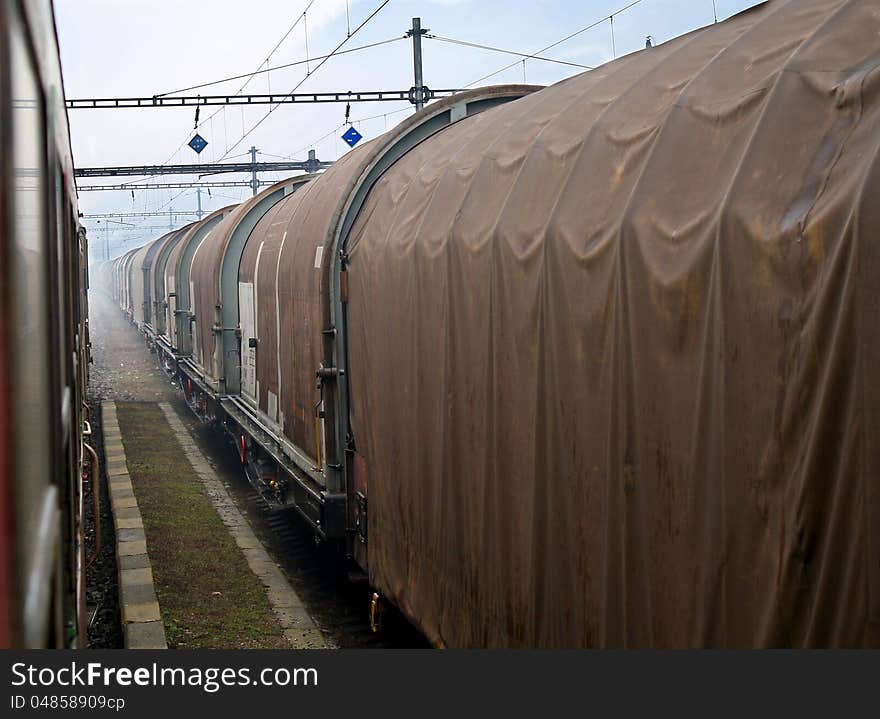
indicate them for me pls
(157, 274)
(258, 268)
(614, 347)
(288, 297)
(136, 284)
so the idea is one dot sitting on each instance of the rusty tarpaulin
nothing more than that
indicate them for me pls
(257, 272)
(288, 289)
(211, 303)
(612, 350)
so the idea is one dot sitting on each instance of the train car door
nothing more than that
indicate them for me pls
(246, 303)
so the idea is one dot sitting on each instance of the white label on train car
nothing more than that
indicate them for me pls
(170, 319)
(273, 406)
(249, 354)
(193, 334)
(319, 253)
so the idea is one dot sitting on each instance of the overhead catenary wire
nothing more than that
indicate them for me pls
(280, 67)
(306, 40)
(265, 68)
(527, 56)
(336, 129)
(244, 85)
(289, 30)
(559, 42)
(536, 55)
(227, 197)
(613, 48)
(300, 83)
(269, 154)
(337, 51)
(179, 194)
(249, 77)
(277, 45)
(441, 38)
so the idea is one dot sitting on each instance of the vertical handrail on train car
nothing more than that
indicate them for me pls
(96, 503)
(320, 463)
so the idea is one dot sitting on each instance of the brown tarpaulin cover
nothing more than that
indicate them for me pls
(613, 350)
(289, 294)
(207, 280)
(259, 267)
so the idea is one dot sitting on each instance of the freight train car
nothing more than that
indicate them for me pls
(610, 366)
(179, 288)
(43, 343)
(589, 365)
(158, 327)
(139, 285)
(124, 288)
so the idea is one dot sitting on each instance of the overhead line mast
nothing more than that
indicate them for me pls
(419, 92)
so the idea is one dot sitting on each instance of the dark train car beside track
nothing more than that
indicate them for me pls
(43, 343)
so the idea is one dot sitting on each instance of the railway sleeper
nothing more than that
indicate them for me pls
(280, 482)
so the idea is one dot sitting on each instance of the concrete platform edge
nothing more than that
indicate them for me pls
(141, 621)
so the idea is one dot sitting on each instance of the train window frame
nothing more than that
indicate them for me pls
(35, 575)
(8, 576)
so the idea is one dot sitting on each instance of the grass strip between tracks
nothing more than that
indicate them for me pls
(208, 595)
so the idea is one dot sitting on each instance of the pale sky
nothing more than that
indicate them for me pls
(124, 48)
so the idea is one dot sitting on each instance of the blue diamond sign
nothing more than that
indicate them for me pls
(198, 143)
(352, 137)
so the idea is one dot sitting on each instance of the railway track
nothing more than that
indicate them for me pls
(320, 574)
(124, 370)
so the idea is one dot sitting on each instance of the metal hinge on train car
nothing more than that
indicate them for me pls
(217, 329)
(329, 373)
(343, 276)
